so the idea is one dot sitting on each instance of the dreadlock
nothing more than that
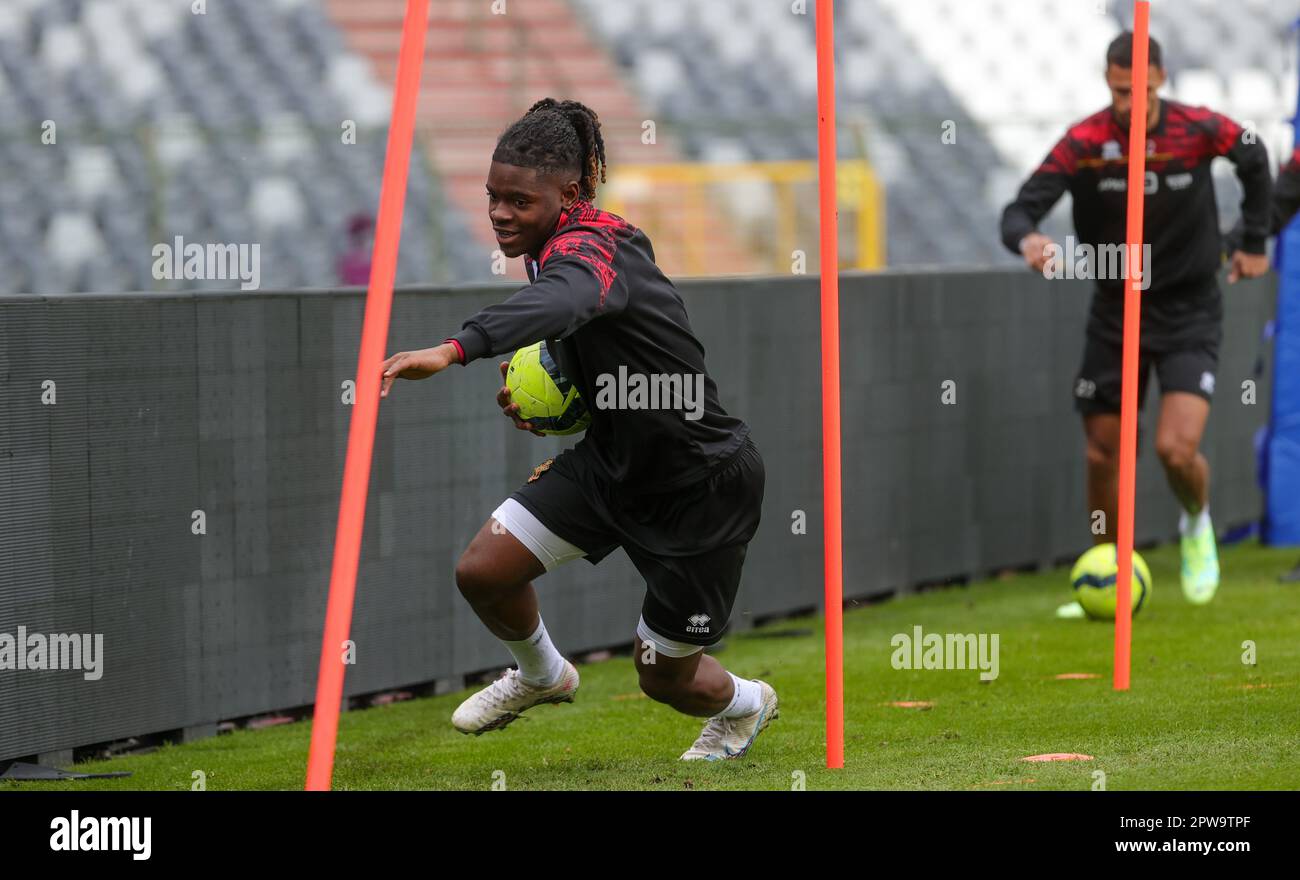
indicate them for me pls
(556, 136)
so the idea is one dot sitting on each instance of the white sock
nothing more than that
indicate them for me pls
(539, 662)
(747, 699)
(1191, 528)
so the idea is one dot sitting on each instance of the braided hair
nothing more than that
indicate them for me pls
(556, 136)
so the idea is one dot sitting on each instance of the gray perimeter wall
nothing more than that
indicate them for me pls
(231, 404)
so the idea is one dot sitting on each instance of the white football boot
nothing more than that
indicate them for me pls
(1071, 611)
(1200, 573)
(725, 738)
(501, 702)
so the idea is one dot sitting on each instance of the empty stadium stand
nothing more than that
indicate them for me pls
(127, 123)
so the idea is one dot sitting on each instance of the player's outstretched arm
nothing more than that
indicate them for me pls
(416, 364)
(567, 294)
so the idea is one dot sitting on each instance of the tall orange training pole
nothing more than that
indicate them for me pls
(1128, 417)
(830, 383)
(361, 431)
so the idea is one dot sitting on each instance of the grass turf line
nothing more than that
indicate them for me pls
(1195, 717)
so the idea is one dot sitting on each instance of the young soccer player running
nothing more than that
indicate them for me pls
(1182, 310)
(679, 489)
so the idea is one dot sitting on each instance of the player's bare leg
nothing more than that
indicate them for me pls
(495, 575)
(697, 684)
(1178, 438)
(1101, 440)
(1101, 433)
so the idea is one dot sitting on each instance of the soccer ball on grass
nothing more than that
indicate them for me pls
(1093, 579)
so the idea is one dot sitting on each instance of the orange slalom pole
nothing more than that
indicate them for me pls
(1137, 162)
(361, 430)
(830, 299)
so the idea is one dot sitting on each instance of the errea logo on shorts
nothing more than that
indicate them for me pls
(698, 623)
(1207, 382)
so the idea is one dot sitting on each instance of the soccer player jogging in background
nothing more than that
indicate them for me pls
(1182, 310)
(678, 489)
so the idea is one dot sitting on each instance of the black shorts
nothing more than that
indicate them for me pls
(1188, 365)
(688, 544)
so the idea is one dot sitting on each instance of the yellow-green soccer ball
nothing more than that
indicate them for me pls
(1093, 579)
(545, 397)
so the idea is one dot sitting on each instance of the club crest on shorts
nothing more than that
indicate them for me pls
(1207, 382)
(541, 469)
(698, 623)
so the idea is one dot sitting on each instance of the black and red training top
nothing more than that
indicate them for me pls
(1181, 220)
(604, 307)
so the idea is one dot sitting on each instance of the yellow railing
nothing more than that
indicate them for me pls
(748, 217)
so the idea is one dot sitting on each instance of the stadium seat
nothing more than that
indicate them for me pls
(71, 239)
(212, 159)
(91, 173)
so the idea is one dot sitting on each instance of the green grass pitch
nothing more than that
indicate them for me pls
(1196, 717)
